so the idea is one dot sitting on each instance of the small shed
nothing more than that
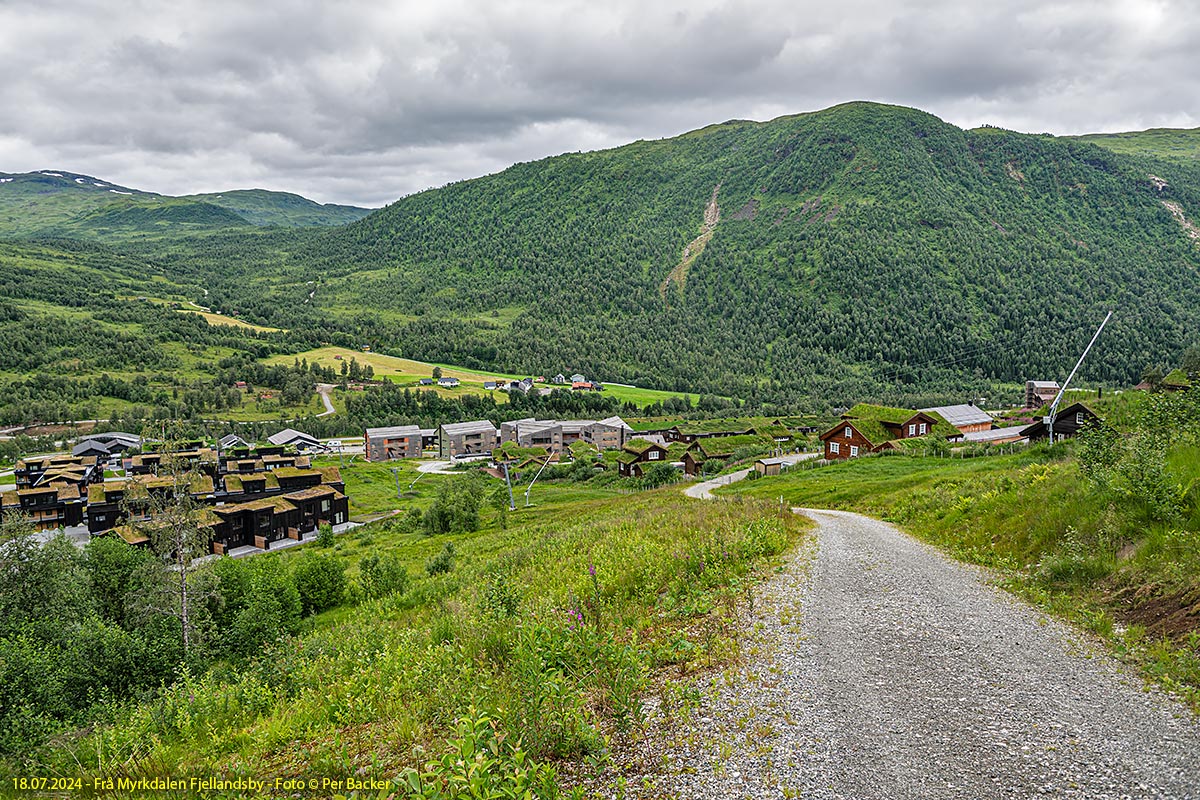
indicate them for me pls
(770, 466)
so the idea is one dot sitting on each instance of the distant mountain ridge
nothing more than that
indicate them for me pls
(64, 203)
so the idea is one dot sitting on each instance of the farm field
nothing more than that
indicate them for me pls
(406, 371)
(221, 319)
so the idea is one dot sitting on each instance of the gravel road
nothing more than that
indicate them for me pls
(878, 668)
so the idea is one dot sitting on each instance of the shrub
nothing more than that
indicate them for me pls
(325, 535)
(659, 475)
(442, 563)
(456, 507)
(381, 577)
(321, 582)
(482, 762)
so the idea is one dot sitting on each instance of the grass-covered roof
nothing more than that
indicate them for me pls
(872, 421)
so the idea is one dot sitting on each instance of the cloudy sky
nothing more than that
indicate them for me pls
(363, 101)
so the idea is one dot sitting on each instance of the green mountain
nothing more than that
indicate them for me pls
(1174, 144)
(864, 252)
(282, 209)
(58, 203)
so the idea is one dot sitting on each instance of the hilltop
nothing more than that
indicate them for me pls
(62, 203)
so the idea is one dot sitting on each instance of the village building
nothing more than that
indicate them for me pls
(448, 383)
(637, 455)
(397, 441)
(867, 428)
(1011, 435)
(1067, 423)
(690, 432)
(967, 417)
(110, 504)
(607, 434)
(1040, 393)
(1175, 381)
(105, 445)
(290, 437)
(478, 437)
(48, 507)
(770, 466)
(721, 448)
(202, 459)
(231, 441)
(41, 470)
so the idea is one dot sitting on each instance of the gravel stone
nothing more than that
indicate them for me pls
(876, 667)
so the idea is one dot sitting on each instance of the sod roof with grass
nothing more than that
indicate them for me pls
(880, 424)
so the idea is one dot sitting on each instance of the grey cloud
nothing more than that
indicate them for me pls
(364, 101)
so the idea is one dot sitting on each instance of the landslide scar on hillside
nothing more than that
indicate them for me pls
(678, 274)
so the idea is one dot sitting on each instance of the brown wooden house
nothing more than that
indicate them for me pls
(638, 454)
(869, 428)
(1067, 423)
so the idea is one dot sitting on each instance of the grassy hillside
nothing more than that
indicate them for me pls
(552, 621)
(283, 209)
(1172, 144)
(59, 203)
(1104, 530)
(864, 252)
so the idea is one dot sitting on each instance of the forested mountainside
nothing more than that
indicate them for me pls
(864, 251)
(853, 246)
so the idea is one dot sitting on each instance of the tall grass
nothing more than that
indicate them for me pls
(550, 629)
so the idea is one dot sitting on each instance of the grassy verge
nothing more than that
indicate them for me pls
(1102, 560)
(545, 627)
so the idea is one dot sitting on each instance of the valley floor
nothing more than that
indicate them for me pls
(878, 667)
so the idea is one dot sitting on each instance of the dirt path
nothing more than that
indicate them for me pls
(879, 668)
(678, 274)
(324, 389)
(704, 489)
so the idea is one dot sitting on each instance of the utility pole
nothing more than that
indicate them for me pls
(529, 488)
(396, 475)
(1049, 420)
(512, 505)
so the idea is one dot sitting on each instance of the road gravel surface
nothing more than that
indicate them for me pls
(878, 668)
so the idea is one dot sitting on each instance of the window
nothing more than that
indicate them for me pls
(924, 429)
(324, 505)
(912, 430)
(653, 455)
(854, 451)
(1079, 418)
(834, 447)
(849, 434)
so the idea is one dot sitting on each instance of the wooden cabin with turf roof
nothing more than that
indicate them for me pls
(1175, 381)
(638, 454)
(109, 503)
(722, 449)
(868, 428)
(47, 507)
(688, 432)
(1067, 423)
